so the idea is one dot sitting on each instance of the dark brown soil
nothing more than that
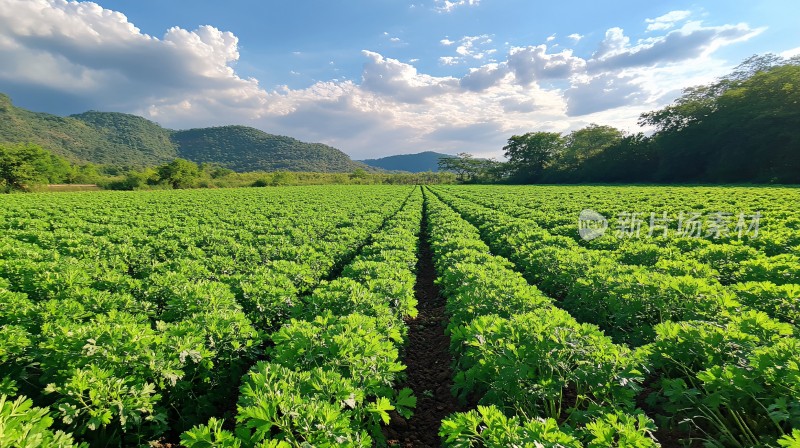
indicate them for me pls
(428, 360)
(666, 437)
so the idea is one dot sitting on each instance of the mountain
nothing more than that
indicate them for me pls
(415, 163)
(91, 140)
(128, 140)
(134, 138)
(241, 148)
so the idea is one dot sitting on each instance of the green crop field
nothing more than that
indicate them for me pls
(299, 316)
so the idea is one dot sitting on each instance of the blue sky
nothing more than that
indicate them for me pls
(380, 77)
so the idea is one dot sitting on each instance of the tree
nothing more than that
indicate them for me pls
(85, 174)
(25, 165)
(530, 153)
(359, 173)
(180, 173)
(584, 143)
(469, 169)
(215, 171)
(464, 165)
(454, 164)
(136, 180)
(631, 159)
(283, 178)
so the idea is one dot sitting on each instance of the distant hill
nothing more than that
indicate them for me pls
(135, 138)
(90, 140)
(415, 163)
(140, 138)
(128, 140)
(242, 148)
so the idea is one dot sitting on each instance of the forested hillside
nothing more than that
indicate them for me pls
(134, 139)
(115, 139)
(109, 138)
(241, 148)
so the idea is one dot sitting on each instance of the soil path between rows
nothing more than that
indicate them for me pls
(428, 359)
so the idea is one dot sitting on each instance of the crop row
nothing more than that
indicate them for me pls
(770, 260)
(333, 368)
(651, 267)
(557, 208)
(517, 354)
(718, 371)
(126, 335)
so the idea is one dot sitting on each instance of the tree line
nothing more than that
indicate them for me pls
(744, 127)
(28, 167)
(181, 173)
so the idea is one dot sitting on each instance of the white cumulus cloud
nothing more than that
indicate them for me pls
(693, 40)
(667, 21)
(468, 48)
(401, 81)
(80, 49)
(449, 6)
(449, 60)
(790, 53)
(530, 64)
